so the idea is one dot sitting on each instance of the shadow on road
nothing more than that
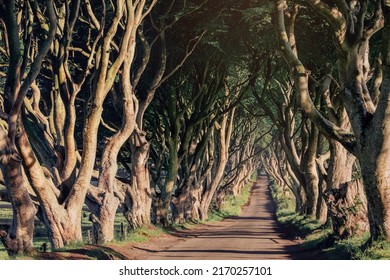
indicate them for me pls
(252, 235)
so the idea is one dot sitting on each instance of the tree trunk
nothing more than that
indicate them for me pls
(309, 166)
(285, 176)
(103, 210)
(19, 239)
(165, 199)
(179, 205)
(65, 228)
(348, 209)
(138, 202)
(170, 182)
(183, 202)
(103, 214)
(375, 165)
(294, 170)
(375, 155)
(370, 123)
(199, 183)
(220, 199)
(322, 208)
(224, 135)
(341, 195)
(62, 223)
(311, 176)
(195, 215)
(211, 188)
(371, 130)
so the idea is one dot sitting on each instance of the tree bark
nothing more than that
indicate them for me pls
(103, 205)
(224, 135)
(137, 207)
(375, 161)
(348, 209)
(163, 210)
(19, 239)
(339, 175)
(103, 214)
(309, 166)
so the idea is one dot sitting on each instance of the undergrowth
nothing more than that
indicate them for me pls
(319, 237)
(232, 206)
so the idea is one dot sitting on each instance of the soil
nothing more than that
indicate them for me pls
(252, 235)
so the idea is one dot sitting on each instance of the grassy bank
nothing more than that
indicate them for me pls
(140, 235)
(318, 237)
(232, 206)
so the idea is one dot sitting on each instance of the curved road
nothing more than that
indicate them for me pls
(252, 235)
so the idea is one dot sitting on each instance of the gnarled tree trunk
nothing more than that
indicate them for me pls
(19, 239)
(170, 182)
(138, 201)
(224, 136)
(103, 213)
(342, 195)
(347, 205)
(62, 223)
(309, 166)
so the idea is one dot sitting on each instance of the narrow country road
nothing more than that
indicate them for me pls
(253, 235)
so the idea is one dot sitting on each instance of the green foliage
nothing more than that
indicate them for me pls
(259, 17)
(260, 30)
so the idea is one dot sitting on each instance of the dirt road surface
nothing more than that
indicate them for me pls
(252, 235)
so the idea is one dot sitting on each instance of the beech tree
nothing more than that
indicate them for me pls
(13, 137)
(314, 175)
(152, 67)
(61, 191)
(352, 28)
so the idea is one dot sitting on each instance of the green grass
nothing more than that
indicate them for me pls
(140, 235)
(359, 248)
(40, 234)
(72, 246)
(376, 251)
(299, 226)
(4, 255)
(232, 206)
(38, 241)
(319, 237)
(5, 213)
(186, 226)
